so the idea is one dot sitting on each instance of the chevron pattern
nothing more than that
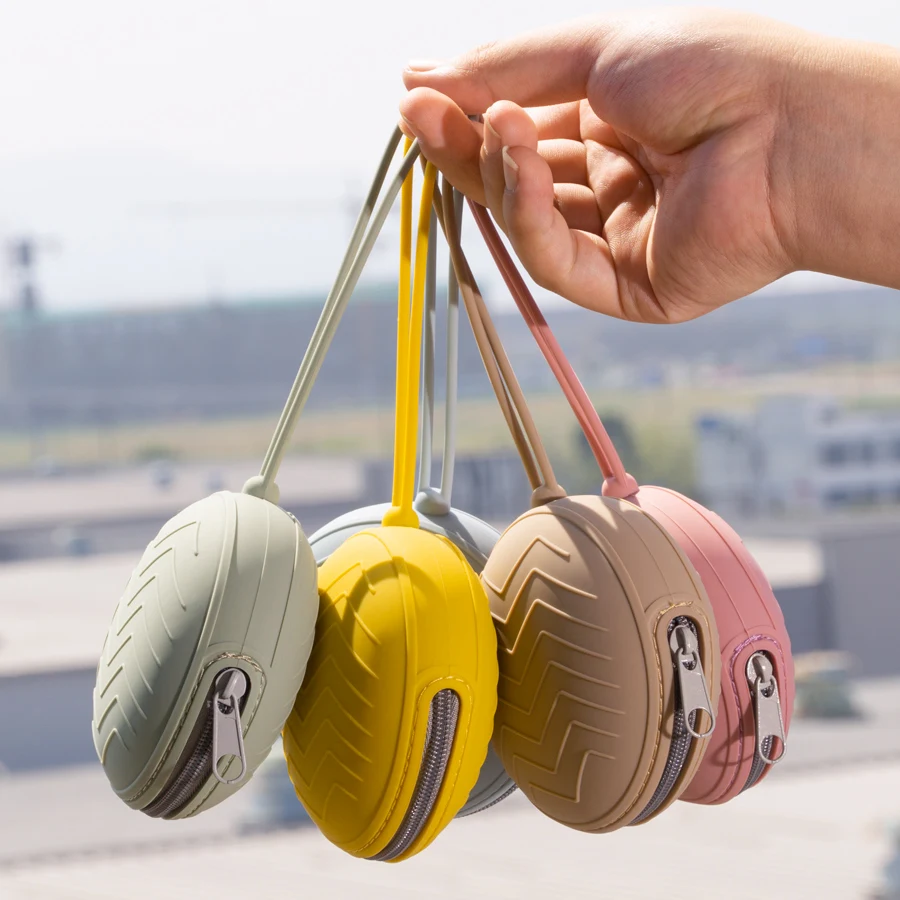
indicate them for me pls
(400, 610)
(329, 736)
(572, 706)
(147, 647)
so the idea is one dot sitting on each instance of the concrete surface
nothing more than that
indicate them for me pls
(130, 493)
(812, 836)
(43, 817)
(54, 613)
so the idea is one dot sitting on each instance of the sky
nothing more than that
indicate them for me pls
(273, 114)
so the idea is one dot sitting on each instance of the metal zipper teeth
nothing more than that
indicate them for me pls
(443, 715)
(194, 768)
(759, 764)
(680, 747)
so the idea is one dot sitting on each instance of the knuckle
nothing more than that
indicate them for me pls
(477, 66)
(479, 57)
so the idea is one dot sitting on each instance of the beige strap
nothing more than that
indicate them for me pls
(500, 373)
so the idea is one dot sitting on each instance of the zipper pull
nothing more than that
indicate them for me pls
(769, 721)
(228, 734)
(694, 691)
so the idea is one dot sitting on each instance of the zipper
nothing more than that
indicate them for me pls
(691, 697)
(443, 715)
(769, 722)
(218, 735)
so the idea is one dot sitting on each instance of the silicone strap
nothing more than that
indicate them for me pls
(409, 349)
(426, 378)
(618, 483)
(515, 410)
(430, 500)
(361, 243)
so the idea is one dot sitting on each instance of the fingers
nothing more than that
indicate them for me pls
(562, 121)
(535, 69)
(626, 200)
(455, 144)
(616, 180)
(575, 264)
(517, 128)
(586, 243)
(578, 206)
(520, 191)
(567, 161)
(447, 137)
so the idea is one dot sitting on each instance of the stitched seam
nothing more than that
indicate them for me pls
(742, 646)
(406, 762)
(620, 569)
(187, 708)
(659, 717)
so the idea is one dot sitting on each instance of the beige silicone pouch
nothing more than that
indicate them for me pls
(607, 645)
(583, 591)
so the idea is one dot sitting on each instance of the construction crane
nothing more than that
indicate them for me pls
(22, 256)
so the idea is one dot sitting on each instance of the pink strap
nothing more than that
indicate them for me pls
(618, 483)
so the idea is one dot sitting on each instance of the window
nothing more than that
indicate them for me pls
(839, 453)
(837, 497)
(834, 454)
(844, 497)
(866, 451)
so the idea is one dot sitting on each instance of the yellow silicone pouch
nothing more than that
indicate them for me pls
(393, 721)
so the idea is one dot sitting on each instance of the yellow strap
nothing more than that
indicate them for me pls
(409, 350)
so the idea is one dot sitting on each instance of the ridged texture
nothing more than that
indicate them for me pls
(156, 627)
(402, 616)
(582, 591)
(476, 539)
(229, 581)
(748, 619)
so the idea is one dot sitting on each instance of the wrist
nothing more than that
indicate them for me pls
(835, 174)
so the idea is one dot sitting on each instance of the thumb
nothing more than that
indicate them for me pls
(539, 68)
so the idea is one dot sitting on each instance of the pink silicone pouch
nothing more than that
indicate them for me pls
(748, 617)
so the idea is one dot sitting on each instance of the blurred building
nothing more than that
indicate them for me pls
(101, 368)
(225, 359)
(795, 454)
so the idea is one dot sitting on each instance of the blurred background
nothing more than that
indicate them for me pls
(178, 181)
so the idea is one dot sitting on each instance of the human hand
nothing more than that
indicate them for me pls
(657, 166)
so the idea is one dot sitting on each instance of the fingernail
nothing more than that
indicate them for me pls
(510, 171)
(492, 140)
(422, 65)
